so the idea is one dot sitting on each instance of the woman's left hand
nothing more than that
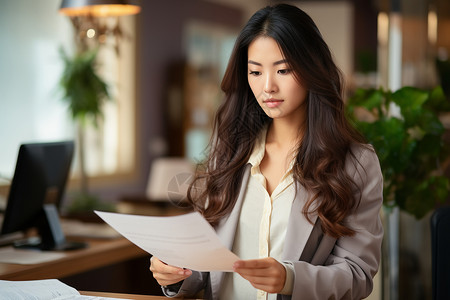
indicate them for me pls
(266, 274)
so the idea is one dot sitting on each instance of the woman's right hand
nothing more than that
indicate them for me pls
(166, 274)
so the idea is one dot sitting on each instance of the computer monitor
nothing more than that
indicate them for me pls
(35, 194)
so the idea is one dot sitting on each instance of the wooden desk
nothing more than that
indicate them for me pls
(126, 296)
(123, 296)
(114, 265)
(99, 253)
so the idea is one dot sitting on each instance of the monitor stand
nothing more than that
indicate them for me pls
(51, 236)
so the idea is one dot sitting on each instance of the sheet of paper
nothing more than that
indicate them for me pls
(35, 289)
(186, 241)
(27, 257)
(42, 289)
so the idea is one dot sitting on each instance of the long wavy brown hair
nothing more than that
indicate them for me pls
(320, 160)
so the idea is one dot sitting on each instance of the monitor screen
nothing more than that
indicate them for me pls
(36, 191)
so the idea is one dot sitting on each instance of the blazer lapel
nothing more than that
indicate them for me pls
(299, 228)
(227, 230)
(227, 227)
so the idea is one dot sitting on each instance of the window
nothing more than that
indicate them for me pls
(31, 109)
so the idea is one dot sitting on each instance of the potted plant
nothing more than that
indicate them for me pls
(85, 92)
(84, 89)
(409, 143)
(408, 136)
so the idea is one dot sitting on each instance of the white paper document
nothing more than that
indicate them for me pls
(42, 289)
(186, 241)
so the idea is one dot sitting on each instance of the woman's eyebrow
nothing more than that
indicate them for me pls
(279, 62)
(251, 62)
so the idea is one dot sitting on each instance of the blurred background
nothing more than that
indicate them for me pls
(163, 67)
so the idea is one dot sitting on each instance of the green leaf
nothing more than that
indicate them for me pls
(410, 147)
(84, 90)
(410, 101)
(437, 101)
(368, 99)
(426, 194)
(372, 100)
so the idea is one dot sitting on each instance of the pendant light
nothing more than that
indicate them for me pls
(99, 8)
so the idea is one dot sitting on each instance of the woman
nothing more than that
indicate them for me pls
(291, 187)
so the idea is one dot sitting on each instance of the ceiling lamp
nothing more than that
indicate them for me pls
(99, 8)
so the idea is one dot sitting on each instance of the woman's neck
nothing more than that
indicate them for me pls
(282, 141)
(285, 133)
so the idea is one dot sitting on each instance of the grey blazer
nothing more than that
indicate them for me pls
(325, 267)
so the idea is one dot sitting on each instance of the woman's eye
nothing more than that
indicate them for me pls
(256, 73)
(284, 71)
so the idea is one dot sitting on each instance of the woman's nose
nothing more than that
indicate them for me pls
(270, 85)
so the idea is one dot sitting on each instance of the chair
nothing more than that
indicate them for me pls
(169, 179)
(440, 253)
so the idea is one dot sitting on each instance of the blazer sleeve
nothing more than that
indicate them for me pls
(188, 287)
(348, 271)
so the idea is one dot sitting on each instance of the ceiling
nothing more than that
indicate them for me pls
(408, 7)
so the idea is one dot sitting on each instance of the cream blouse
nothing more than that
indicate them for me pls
(262, 226)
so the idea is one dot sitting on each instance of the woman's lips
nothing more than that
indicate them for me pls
(271, 103)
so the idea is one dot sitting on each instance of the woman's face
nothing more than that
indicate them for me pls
(272, 81)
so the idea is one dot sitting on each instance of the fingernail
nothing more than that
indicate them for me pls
(181, 272)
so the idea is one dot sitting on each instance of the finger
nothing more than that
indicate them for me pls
(164, 279)
(266, 274)
(254, 263)
(157, 265)
(268, 284)
(182, 273)
(167, 279)
(253, 274)
(247, 264)
(167, 274)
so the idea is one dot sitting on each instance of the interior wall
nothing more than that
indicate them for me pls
(160, 29)
(338, 33)
(29, 72)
